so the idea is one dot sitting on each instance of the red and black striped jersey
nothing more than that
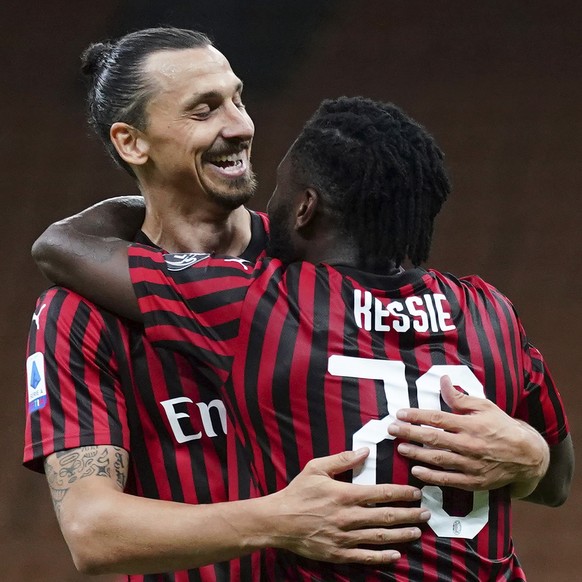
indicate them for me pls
(95, 379)
(318, 359)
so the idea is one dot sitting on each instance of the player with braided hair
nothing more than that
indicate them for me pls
(392, 159)
(323, 347)
(137, 489)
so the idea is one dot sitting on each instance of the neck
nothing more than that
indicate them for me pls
(331, 250)
(179, 225)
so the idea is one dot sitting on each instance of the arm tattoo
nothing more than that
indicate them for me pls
(68, 467)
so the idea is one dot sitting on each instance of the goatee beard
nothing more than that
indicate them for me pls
(240, 192)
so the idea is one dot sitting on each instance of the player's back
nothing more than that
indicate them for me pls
(341, 352)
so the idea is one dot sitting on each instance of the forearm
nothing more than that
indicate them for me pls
(90, 233)
(314, 516)
(554, 487)
(83, 254)
(121, 533)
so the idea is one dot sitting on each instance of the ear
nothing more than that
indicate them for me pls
(307, 210)
(130, 143)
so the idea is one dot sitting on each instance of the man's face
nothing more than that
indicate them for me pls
(280, 209)
(198, 131)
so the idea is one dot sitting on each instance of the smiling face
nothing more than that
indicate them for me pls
(198, 133)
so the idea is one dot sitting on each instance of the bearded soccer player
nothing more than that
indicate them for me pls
(321, 347)
(136, 491)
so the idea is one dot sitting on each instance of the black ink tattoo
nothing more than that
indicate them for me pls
(67, 467)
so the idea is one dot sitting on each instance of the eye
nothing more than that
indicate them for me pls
(202, 112)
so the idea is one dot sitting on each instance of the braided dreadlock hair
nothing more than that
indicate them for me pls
(380, 174)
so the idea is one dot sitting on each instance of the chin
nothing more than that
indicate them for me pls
(239, 193)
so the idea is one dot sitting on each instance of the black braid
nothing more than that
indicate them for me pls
(381, 175)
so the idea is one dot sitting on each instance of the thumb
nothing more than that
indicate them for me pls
(457, 400)
(344, 461)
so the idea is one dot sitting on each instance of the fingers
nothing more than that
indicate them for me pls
(379, 537)
(384, 493)
(457, 400)
(361, 556)
(382, 517)
(468, 482)
(448, 460)
(462, 405)
(426, 435)
(335, 464)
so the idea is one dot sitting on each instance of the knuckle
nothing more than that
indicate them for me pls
(435, 418)
(432, 438)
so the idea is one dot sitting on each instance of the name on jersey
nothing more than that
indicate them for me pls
(422, 313)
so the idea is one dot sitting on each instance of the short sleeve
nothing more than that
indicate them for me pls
(73, 394)
(541, 405)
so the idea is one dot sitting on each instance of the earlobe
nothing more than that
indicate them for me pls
(130, 143)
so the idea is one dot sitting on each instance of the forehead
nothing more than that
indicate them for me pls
(184, 72)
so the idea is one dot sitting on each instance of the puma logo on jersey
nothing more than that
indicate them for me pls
(36, 316)
(242, 262)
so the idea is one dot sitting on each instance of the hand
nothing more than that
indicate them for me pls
(324, 519)
(479, 448)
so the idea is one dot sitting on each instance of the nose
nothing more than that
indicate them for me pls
(238, 124)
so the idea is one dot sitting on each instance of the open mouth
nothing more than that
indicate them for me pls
(232, 165)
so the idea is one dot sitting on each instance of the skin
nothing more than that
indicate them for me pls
(195, 116)
(314, 516)
(482, 446)
(479, 446)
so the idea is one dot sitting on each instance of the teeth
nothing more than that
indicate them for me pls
(229, 158)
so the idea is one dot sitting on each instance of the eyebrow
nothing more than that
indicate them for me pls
(197, 98)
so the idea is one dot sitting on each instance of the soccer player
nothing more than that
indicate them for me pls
(319, 348)
(107, 410)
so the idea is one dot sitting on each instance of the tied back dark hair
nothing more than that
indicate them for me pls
(380, 174)
(118, 87)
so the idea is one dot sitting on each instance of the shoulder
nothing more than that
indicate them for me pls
(60, 308)
(472, 284)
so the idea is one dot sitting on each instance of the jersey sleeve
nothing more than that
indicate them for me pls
(73, 393)
(541, 405)
(191, 302)
(539, 402)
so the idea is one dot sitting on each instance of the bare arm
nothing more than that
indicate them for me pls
(108, 530)
(86, 254)
(481, 448)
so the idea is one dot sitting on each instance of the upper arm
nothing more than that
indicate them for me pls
(542, 408)
(105, 465)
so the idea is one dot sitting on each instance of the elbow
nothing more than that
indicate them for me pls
(45, 254)
(87, 536)
(558, 496)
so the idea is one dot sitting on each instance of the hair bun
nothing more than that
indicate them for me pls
(95, 57)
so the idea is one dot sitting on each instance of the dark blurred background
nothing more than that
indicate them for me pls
(498, 83)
